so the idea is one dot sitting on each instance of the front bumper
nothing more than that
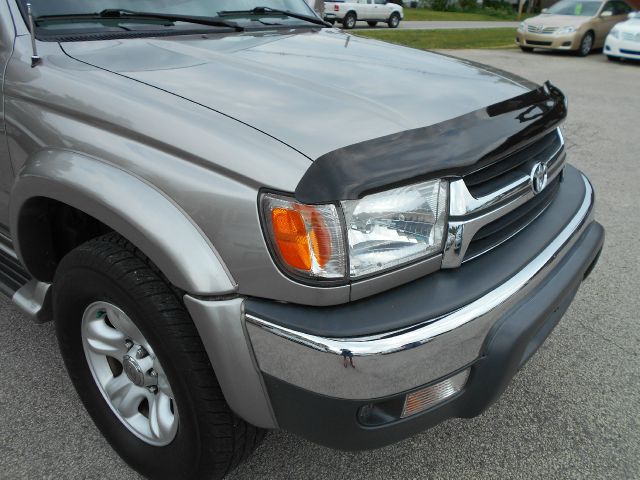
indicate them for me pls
(622, 48)
(569, 41)
(315, 392)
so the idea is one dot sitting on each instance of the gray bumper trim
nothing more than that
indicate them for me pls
(221, 327)
(397, 361)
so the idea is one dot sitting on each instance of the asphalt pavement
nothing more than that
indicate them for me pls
(572, 412)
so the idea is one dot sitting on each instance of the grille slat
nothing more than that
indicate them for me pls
(517, 167)
(537, 42)
(492, 177)
(541, 29)
(631, 37)
(501, 230)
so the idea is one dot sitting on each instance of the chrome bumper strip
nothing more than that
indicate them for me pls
(393, 362)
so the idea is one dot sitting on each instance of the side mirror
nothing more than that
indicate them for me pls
(633, 15)
(606, 13)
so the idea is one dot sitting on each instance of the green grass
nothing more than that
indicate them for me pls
(424, 14)
(434, 39)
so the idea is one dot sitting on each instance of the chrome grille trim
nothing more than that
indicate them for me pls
(468, 214)
(632, 37)
(541, 29)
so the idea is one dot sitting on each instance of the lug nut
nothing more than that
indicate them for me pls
(153, 389)
(141, 353)
(153, 373)
(128, 343)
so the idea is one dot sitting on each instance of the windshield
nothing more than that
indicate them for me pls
(572, 7)
(191, 8)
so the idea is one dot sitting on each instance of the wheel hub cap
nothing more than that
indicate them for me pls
(133, 371)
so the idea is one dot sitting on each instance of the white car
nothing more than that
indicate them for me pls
(623, 40)
(370, 11)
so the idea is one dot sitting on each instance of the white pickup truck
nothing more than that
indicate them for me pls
(370, 11)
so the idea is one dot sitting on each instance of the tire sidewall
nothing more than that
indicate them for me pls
(581, 51)
(394, 20)
(349, 21)
(74, 290)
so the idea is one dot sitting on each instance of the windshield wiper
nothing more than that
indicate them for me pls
(133, 15)
(275, 11)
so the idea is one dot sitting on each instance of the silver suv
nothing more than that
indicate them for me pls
(241, 219)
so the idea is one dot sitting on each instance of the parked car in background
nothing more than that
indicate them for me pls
(624, 39)
(370, 11)
(572, 25)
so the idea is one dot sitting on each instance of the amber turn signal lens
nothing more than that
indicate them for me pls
(308, 239)
(291, 237)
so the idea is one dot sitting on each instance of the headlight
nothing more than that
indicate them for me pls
(615, 33)
(395, 227)
(522, 27)
(565, 30)
(380, 231)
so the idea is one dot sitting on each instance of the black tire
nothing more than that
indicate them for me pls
(211, 440)
(586, 45)
(349, 21)
(372, 24)
(526, 49)
(394, 20)
(332, 21)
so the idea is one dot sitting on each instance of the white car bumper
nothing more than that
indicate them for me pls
(615, 47)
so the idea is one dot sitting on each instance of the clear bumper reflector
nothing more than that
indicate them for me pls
(428, 397)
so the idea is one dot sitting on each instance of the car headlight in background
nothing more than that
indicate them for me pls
(566, 30)
(395, 227)
(615, 33)
(382, 231)
(522, 27)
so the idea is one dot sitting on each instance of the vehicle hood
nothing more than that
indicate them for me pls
(316, 91)
(630, 26)
(558, 20)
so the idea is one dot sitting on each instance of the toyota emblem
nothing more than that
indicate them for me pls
(539, 177)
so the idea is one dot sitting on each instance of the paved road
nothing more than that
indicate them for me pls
(442, 25)
(572, 412)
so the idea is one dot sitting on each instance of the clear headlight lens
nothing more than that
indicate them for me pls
(395, 227)
(565, 30)
(308, 240)
(615, 33)
(522, 27)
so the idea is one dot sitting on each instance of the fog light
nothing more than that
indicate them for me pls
(428, 397)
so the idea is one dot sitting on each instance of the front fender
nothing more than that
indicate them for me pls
(127, 204)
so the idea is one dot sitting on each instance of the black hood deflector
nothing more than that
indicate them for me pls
(453, 147)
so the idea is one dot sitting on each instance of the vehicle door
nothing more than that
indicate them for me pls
(381, 10)
(365, 10)
(604, 22)
(7, 35)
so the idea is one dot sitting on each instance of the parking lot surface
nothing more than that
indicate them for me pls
(572, 412)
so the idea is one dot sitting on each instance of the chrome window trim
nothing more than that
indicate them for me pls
(397, 361)
(468, 214)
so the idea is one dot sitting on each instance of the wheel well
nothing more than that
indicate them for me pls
(355, 14)
(48, 230)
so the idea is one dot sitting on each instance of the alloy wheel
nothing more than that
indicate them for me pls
(128, 374)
